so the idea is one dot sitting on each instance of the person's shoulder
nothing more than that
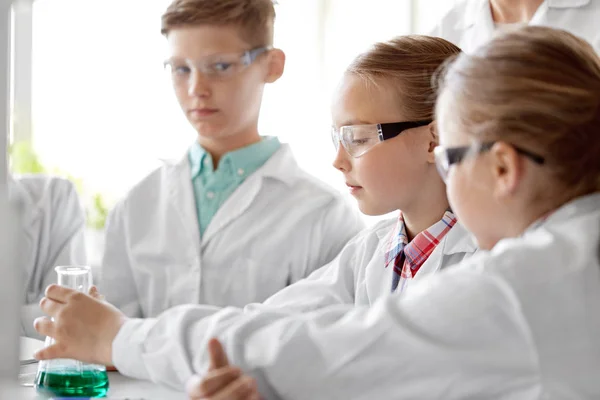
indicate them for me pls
(580, 17)
(156, 181)
(41, 186)
(299, 182)
(310, 183)
(565, 245)
(52, 196)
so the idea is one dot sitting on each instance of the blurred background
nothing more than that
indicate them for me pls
(92, 102)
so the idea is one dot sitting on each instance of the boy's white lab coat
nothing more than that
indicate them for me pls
(51, 233)
(275, 229)
(469, 24)
(167, 350)
(519, 322)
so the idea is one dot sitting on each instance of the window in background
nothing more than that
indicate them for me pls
(103, 109)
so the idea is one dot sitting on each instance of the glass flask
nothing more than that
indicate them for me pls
(70, 378)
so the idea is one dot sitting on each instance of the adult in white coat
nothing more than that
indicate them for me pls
(236, 219)
(51, 233)
(472, 23)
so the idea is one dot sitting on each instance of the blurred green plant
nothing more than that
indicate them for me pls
(96, 216)
(24, 160)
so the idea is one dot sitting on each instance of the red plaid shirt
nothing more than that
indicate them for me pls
(409, 257)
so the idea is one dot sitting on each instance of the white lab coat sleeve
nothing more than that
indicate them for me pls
(66, 241)
(451, 336)
(460, 335)
(337, 223)
(146, 349)
(167, 349)
(117, 281)
(334, 283)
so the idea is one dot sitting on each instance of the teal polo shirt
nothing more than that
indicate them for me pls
(212, 187)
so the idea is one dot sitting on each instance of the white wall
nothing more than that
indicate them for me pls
(8, 283)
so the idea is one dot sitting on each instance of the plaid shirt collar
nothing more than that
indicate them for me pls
(419, 249)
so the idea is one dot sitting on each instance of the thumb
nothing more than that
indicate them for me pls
(93, 292)
(218, 357)
(57, 350)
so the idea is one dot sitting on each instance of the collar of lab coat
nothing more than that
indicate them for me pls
(479, 10)
(457, 240)
(281, 166)
(581, 205)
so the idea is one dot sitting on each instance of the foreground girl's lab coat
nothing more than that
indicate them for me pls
(469, 24)
(519, 322)
(159, 349)
(276, 228)
(52, 226)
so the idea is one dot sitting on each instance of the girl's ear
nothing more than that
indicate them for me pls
(433, 142)
(433, 130)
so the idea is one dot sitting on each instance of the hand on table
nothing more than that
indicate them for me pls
(222, 381)
(83, 327)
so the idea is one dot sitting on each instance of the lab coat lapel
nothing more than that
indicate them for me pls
(479, 27)
(379, 281)
(281, 166)
(540, 14)
(181, 195)
(458, 240)
(239, 201)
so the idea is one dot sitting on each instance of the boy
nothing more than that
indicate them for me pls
(236, 219)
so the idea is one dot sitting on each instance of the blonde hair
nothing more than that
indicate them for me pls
(406, 64)
(254, 18)
(538, 88)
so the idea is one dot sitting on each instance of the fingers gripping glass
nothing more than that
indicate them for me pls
(217, 66)
(446, 157)
(358, 139)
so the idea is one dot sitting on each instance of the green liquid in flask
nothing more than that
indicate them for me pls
(85, 383)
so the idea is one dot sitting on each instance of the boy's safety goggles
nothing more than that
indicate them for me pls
(216, 66)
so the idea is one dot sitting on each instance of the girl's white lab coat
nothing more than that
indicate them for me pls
(275, 229)
(519, 322)
(167, 350)
(51, 233)
(469, 24)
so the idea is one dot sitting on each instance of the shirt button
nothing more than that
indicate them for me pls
(210, 195)
(240, 172)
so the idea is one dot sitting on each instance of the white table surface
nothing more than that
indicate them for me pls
(121, 387)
